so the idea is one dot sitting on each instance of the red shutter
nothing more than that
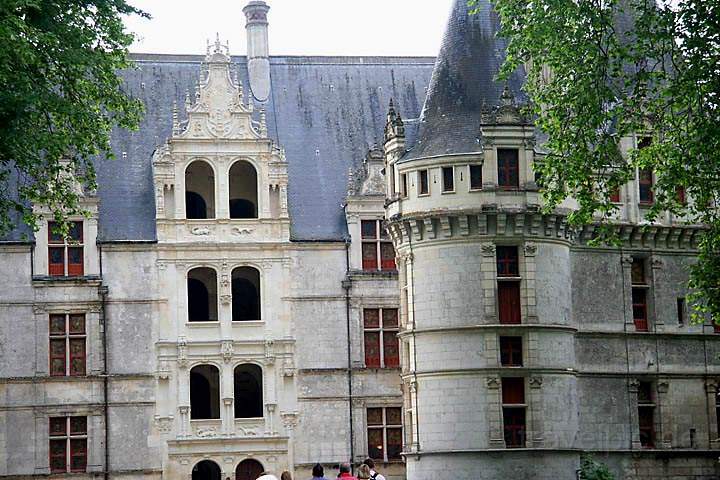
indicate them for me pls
(57, 357)
(77, 356)
(391, 350)
(513, 390)
(509, 302)
(56, 261)
(387, 254)
(372, 349)
(615, 195)
(78, 455)
(680, 191)
(647, 426)
(646, 186)
(369, 256)
(514, 427)
(394, 443)
(75, 261)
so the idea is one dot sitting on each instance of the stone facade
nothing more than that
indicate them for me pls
(232, 341)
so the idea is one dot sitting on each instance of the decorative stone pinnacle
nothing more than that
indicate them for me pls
(263, 122)
(394, 128)
(176, 122)
(507, 98)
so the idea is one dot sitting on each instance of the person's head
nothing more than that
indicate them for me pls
(285, 475)
(363, 472)
(344, 468)
(369, 462)
(318, 470)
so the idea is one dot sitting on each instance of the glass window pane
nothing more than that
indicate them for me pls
(75, 233)
(57, 255)
(58, 455)
(369, 256)
(374, 416)
(390, 317)
(75, 255)
(57, 324)
(53, 236)
(372, 349)
(387, 253)
(78, 425)
(375, 443)
(77, 324)
(391, 350)
(371, 318)
(393, 416)
(394, 443)
(475, 177)
(58, 426)
(448, 174)
(77, 356)
(369, 229)
(78, 455)
(513, 390)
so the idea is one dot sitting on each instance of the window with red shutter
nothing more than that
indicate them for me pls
(615, 195)
(68, 444)
(513, 409)
(65, 255)
(381, 343)
(680, 193)
(508, 168)
(639, 292)
(384, 433)
(378, 252)
(507, 261)
(511, 354)
(645, 180)
(646, 415)
(67, 345)
(509, 302)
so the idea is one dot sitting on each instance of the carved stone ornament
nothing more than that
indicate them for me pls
(663, 386)
(240, 231)
(164, 424)
(711, 385)
(246, 431)
(530, 249)
(633, 385)
(269, 352)
(39, 309)
(535, 382)
(288, 367)
(290, 420)
(163, 372)
(200, 231)
(225, 299)
(492, 383)
(182, 358)
(488, 250)
(227, 351)
(206, 432)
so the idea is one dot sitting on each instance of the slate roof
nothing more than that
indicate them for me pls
(463, 80)
(327, 112)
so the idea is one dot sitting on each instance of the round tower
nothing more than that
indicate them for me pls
(487, 337)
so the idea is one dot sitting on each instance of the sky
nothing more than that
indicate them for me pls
(297, 27)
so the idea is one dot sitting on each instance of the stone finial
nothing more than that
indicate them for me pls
(394, 127)
(176, 121)
(507, 97)
(263, 122)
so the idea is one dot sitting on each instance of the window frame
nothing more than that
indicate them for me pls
(510, 345)
(444, 173)
(384, 427)
(381, 330)
(646, 179)
(650, 405)
(472, 188)
(423, 174)
(377, 241)
(509, 170)
(70, 440)
(403, 185)
(66, 245)
(639, 293)
(67, 338)
(507, 407)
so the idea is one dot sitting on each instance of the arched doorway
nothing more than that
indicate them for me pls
(248, 391)
(204, 392)
(199, 191)
(206, 470)
(248, 470)
(243, 190)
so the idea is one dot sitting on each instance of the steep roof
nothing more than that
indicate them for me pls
(327, 112)
(463, 82)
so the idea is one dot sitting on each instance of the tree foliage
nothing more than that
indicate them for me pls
(60, 99)
(590, 469)
(600, 71)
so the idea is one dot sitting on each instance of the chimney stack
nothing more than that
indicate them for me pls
(257, 48)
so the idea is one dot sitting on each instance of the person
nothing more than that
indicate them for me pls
(318, 472)
(345, 470)
(373, 474)
(285, 475)
(363, 472)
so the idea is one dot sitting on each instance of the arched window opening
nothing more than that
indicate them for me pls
(248, 470)
(245, 294)
(199, 191)
(243, 191)
(206, 470)
(248, 391)
(204, 392)
(202, 295)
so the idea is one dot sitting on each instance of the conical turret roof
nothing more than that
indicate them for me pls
(464, 82)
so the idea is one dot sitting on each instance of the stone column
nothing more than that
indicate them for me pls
(634, 421)
(664, 415)
(290, 421)
(627, 296)
(711, 390)
(535, 437)
(529, 300)
(184, 412)
(494, 412)
(655, 266)
(488, 267)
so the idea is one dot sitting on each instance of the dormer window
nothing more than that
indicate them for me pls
(508, 168)
(199, 191)
(475, 177)
(243, 191)
(66, 255)
(448, 176)
(423, 184)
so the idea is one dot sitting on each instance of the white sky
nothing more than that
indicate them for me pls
(297, 27)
